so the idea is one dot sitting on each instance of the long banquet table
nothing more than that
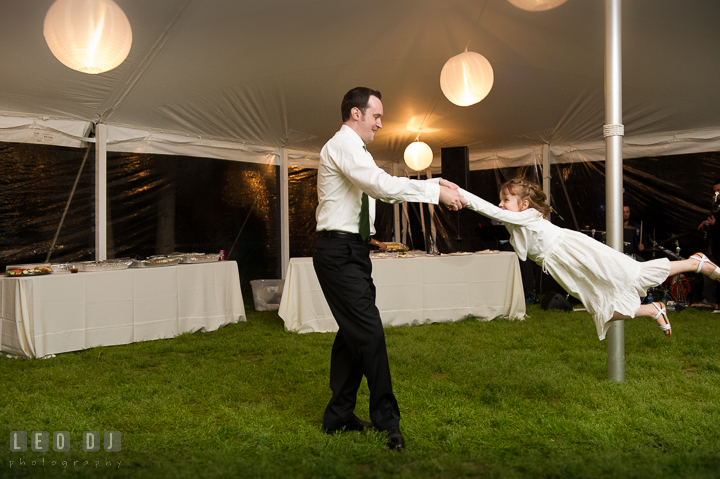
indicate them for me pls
(61, 312)
(413, 290)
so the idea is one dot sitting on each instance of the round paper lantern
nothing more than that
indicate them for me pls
(537, 5)
(418, 155)
(466, 78)
(90, 36)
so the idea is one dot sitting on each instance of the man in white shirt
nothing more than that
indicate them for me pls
(349, 181)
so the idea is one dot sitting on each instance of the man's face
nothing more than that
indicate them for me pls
(371, 121)
(716, 189)
(626, 213)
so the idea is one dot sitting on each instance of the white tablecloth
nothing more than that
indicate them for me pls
(423, 289)
(62, 312)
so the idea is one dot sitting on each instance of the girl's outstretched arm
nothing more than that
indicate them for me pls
(486, 208)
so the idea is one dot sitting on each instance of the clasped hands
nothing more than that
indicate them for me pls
(450, 195)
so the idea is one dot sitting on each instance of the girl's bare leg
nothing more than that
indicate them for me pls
(647, 310)
(688, 265)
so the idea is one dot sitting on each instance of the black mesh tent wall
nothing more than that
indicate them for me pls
(158, 204)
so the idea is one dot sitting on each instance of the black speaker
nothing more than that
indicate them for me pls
(455, 165)
(554, 300)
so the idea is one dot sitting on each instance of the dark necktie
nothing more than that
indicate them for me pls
(364, 215)
(364, 218)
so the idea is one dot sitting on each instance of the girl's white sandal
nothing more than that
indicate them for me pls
(704, 259)
(663, 312)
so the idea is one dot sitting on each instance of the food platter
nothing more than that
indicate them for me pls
(20, 270)
(195, 258)
(154, 262)
(107, 265)
(394, 247)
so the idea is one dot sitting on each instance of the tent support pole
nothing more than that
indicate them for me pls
(396, 212)
(422, 220)
(613, 131)
(284, 214)
(433, 229)
(546, 171)
(100, 191)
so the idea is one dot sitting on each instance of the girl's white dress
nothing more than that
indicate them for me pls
(604, 279)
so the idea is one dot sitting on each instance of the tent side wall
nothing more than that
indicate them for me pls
(162, 203)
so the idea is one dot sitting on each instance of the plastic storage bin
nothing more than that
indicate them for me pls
(267, 294)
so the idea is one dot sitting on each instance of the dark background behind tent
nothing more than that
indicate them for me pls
(159, 204)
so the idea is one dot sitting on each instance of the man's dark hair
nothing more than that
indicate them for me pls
(716, 182)
(357, 98)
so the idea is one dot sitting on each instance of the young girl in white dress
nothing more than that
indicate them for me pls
(607, 282)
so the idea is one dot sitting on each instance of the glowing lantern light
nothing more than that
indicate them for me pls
(90, 36)
(418, 155)
(537, 5)
(466, 78)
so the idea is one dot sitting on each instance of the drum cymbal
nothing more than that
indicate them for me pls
(590, 231)
(630, 227)
(673, 237)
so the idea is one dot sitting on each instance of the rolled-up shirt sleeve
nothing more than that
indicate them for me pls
(359, 167)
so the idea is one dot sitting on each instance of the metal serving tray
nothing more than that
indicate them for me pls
(199, 258)
(155, 262)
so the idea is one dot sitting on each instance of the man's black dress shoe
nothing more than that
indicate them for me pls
(354, 424)
(396, 441)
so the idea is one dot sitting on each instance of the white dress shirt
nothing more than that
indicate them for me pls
(346, 171)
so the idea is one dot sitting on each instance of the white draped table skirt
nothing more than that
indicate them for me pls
(422, 289)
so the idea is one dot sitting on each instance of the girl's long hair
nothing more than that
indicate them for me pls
(527, 190)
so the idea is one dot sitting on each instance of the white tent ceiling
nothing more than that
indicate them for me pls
(239, 79)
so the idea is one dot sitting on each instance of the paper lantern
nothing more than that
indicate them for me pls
(537, 5)
(418, 155)
(90, 36)
(466, 78)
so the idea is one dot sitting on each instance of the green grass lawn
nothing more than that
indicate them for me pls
(504, 399)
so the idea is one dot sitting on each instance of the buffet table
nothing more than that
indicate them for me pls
(60, 312)
(413, 290)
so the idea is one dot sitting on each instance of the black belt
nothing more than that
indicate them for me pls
(341, 235)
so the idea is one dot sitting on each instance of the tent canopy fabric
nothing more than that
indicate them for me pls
(239, 79)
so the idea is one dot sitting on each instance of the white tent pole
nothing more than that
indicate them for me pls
(613, 131)
(284, 214)
(405, 217)
(396, 212)
(433, 230)
(405, 223)
(422, 220)
(546, 171)
(100, 191)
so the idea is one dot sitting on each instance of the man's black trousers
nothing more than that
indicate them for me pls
(344, 269)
